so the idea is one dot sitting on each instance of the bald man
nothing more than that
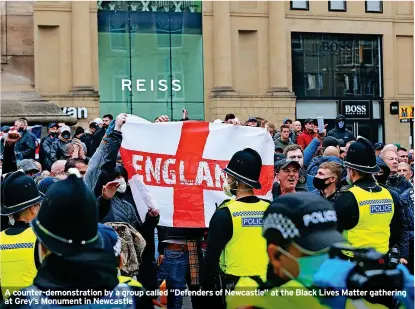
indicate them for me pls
(331, 151)
(296, 127)
(405, 170)
(58, 168)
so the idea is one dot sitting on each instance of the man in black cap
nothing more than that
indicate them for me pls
(235, 246)
(378, 148)
(46, 145)
(18, 252)
(72, 255)
(340, 131)
(367, 214)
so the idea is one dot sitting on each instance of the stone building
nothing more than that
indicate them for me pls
(275, 60)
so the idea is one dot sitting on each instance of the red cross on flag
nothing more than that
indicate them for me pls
(180, 164)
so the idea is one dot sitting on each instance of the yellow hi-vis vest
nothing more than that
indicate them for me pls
(246, 253)
(375, 215)
(17, 263)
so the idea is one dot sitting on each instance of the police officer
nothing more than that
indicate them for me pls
(21, 202)
(235, 246)
(72, 255)
(299, 230)
(367, 214)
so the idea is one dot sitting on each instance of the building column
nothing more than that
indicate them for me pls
(81, 47)
(222, 47)
(278, 77)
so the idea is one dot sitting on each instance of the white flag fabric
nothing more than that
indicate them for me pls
(177, 167)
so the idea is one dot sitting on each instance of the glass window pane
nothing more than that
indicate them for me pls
(376, 110)
(337, 5)
(300, 4)
(335, 65)
(374, 6)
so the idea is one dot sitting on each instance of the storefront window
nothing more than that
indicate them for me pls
(151, 58)
(336, 65)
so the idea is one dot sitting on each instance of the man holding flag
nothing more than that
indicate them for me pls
(236, 223)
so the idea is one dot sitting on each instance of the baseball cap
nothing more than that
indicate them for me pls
(378, 146)
(98, 121)
(304, 218)
(284, 163)
(252, 119)
(27, 165)
(308, 120)
(53, 124)
(331, 141)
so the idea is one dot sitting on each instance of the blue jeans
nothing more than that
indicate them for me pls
(176, 268)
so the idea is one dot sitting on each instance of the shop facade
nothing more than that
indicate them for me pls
(340, 74)
(273, 60)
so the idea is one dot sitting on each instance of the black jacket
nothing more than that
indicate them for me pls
(345, 134)
(26, 146)
(347, 211)
(58, 149)
(45, 152)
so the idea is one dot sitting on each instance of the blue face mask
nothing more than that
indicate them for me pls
(308, 266)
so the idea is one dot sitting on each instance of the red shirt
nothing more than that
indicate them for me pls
(305, 138)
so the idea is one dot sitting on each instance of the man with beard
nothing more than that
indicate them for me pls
(71, 255)
(46, 145)
(287, 177)
(98, 136)
(394, 180)
(340, 131)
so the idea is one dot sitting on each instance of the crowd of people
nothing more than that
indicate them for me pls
(69, 219)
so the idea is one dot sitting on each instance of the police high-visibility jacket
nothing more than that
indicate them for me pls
(17, 263)
(130, 281)
(376, 210)
(245, 254)
(247, 294)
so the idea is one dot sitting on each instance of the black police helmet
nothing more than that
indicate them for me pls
(245, 166)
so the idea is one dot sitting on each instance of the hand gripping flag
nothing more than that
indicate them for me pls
(177, 166)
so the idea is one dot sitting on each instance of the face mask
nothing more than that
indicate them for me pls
(341, 124)
(66, 136)
(54, 134)
(320, 183)
(21, 130)
(227, 189)
(308, 266)
(123, 186)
